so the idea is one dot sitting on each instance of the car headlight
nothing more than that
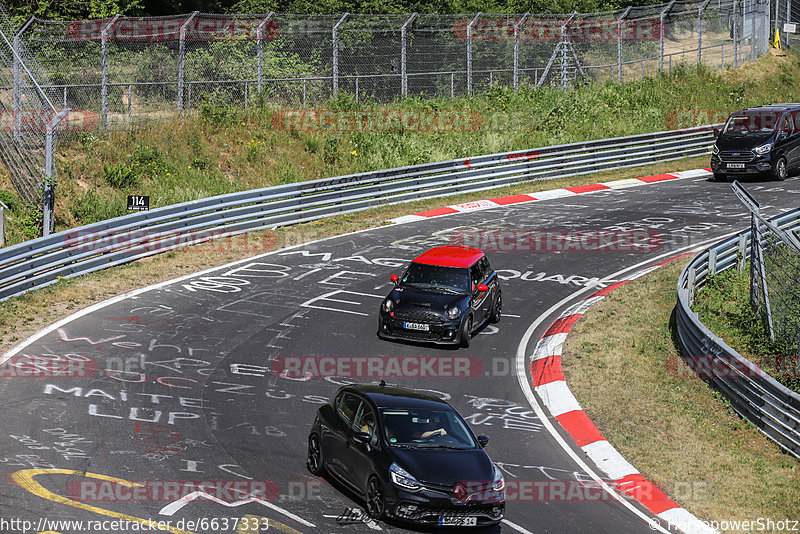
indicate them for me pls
(714, 149)
(498, 482)
(764, 149)
(454, 312)
(403, 478)
(388, 305)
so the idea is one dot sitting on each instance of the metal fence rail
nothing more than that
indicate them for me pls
(754, 394)
(43, 261)
(109, 65)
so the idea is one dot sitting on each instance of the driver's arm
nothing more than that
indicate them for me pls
(431, 433)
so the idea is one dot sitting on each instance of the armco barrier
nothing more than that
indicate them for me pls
(43, 261)
(755, 395)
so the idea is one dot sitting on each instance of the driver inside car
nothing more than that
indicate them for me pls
(430, 429)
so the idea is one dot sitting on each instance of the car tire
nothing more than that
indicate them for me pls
(497, 308)
(376, 503)
(314, 461)
(466, 332)
(718, 177)
(781, 171)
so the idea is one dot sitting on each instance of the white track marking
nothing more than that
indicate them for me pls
(524, 383)
(173, 507)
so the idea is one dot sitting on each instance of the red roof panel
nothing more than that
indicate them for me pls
(450, 256)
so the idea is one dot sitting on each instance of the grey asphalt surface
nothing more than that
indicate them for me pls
(185, 389)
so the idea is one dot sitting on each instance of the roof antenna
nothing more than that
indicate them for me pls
(383, 383)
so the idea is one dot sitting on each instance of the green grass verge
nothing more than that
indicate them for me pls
(621, 363)
(723, 305)
(222, 149)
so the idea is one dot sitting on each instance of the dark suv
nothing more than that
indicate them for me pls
(758, 141)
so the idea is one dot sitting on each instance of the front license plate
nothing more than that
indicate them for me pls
(457, 521)
(736, 165)
(416, 326)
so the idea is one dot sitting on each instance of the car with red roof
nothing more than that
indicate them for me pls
(444, 296)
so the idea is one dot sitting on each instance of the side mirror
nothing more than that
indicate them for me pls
(716, 132)
(361, 437)
(483, 288)
(394, 278)
(483, 440)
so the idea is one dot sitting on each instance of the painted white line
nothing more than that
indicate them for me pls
(173, 507)
(621, 184)
(694, 173)
(557, 397)
(407, 219)
(581, 307)
(474, 205)
(682, 519)
(609, 460)
(516, 527)
(525, 385)
(549, 346)
(553, 193)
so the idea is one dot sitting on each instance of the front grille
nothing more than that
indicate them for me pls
(735, 156)
(418, 317)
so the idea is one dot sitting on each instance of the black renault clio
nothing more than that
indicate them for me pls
(758, 141)
(409, 455)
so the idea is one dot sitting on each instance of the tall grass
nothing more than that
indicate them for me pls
(223, 149)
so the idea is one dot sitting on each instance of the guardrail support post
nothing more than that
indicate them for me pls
(403, 74)
(516, 49)
(712, 261)
(691, 283)
(469, 53)
(260, 50)
(742, 253)
(619, 41)
(335, 53)
(182, 58)
(662, 33)
(104, 70)
(17, 73)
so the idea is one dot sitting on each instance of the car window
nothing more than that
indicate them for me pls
(347, 407)
(475, 275)
(365, 422)
(485, 266)
(796, 120)
(424, 428)
(431, 277)
(785, 126)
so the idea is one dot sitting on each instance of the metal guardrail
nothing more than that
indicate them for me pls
(40, 262)
(754, 394)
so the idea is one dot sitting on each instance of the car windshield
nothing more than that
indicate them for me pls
(752, 123)
(425, 276)
(426, 429)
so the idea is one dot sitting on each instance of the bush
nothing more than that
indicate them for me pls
(120, 175)
(9, 199)
(91, 208)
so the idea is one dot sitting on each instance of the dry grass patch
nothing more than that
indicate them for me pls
(677, 431)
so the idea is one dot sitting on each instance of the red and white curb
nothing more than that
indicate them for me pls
(547, 195)
(549, 384)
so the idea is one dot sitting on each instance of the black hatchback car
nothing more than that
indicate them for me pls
(444, 295)
(758, 141)
(409, 455)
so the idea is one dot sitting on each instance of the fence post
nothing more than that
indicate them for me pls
(469, 53)
(786, 34)
(17, 89)
(661, 36)
(48, 199)
(753, 31)
(403, 74)
(735, 34)
(516, 49)
(700, 31)
(336, 54)
(104, 70)
(742, 252)
(260, 50)
(3, 209)
(619, 42)
(181, 58)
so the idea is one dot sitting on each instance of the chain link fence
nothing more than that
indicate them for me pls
(29, 121)
(127, 69)
(774, 287)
